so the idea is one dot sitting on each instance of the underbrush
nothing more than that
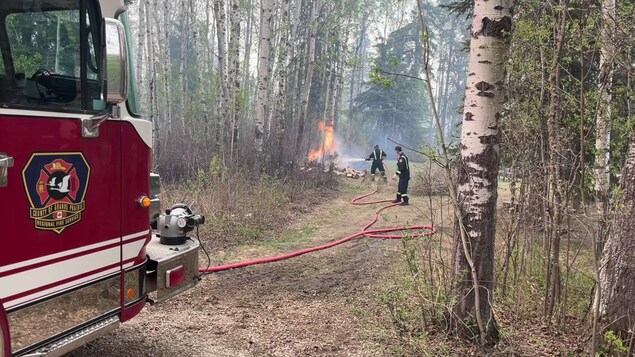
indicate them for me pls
(419, 301)
(240, 209)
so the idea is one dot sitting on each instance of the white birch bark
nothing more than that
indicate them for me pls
(308, 79)
(601, 171)
(234, 76)
(281, 112)
(141, 43)
(263, 72)
(605, 300)
(478, 170)
(222, 85)
(164, 32)
(617, 301)
(185, 27)
(152, 78)
(247, 54)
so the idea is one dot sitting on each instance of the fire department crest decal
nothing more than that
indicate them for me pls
(56, 184)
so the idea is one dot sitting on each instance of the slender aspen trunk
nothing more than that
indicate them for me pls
(357, 65)
(152, 85)
(234, 77)
(141, 43)
(283, 65)
(555, 181)
(185, 15)
(167, 63)
(478, 171)
(248, 42)
(601, 171)
(263, 72)
(617, 300)
(308, 79)
(339, 75)
(222, 88)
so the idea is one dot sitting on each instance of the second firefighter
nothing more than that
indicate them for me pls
(403, 172)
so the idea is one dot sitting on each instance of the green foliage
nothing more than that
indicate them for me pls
(613, 345)
(377, 77)
(460, 7)
(27, 63)
(531, 61)
(36, 42)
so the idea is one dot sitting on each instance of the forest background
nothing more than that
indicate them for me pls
(241, 88)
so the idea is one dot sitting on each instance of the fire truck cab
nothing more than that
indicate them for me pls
(77, 254)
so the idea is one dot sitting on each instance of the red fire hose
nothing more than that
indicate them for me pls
(366, 232)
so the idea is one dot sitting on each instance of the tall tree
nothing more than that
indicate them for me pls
(617, 301)
(263, 72)
(222, 103)
(553, 293)
(233, 77)
(601, 170)
(478, 169)
(308, 78)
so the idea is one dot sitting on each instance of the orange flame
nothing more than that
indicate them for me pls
(328, 142)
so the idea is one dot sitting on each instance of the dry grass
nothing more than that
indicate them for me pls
(240, 210)
(248, 219)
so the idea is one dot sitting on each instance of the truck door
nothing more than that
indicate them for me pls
(60, 192)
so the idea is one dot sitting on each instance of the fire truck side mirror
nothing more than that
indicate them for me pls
(116, 62)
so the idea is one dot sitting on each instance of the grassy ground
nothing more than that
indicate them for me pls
(367, 297)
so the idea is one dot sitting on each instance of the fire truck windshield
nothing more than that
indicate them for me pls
(50, 55)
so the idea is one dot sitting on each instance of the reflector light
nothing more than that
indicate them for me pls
(131, 293)
(174, 277)
(144, 201)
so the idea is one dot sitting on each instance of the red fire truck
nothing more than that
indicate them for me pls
(77, 254)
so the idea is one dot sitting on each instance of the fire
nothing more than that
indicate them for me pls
(328, 142)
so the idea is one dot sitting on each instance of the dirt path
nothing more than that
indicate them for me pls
(320, 304)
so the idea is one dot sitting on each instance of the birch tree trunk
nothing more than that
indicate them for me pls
(283, 65)
(167, 75)
(617, 300)
(248, 42)
(222, 88)
(185, 27)
(208, 70)
(141, 43)
(355, 82)
(152, 85)
(234, 77)
(601, 171)
(478, 170)
(339, 75)
(308, 79)
(263, 72)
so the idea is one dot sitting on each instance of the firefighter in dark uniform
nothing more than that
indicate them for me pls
(403, 171)
(377, 157)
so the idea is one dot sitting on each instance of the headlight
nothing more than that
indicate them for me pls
(181, 222)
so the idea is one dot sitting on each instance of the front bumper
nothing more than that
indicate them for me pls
(172, 269)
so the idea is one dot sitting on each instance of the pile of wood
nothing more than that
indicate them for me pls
(350, 173)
